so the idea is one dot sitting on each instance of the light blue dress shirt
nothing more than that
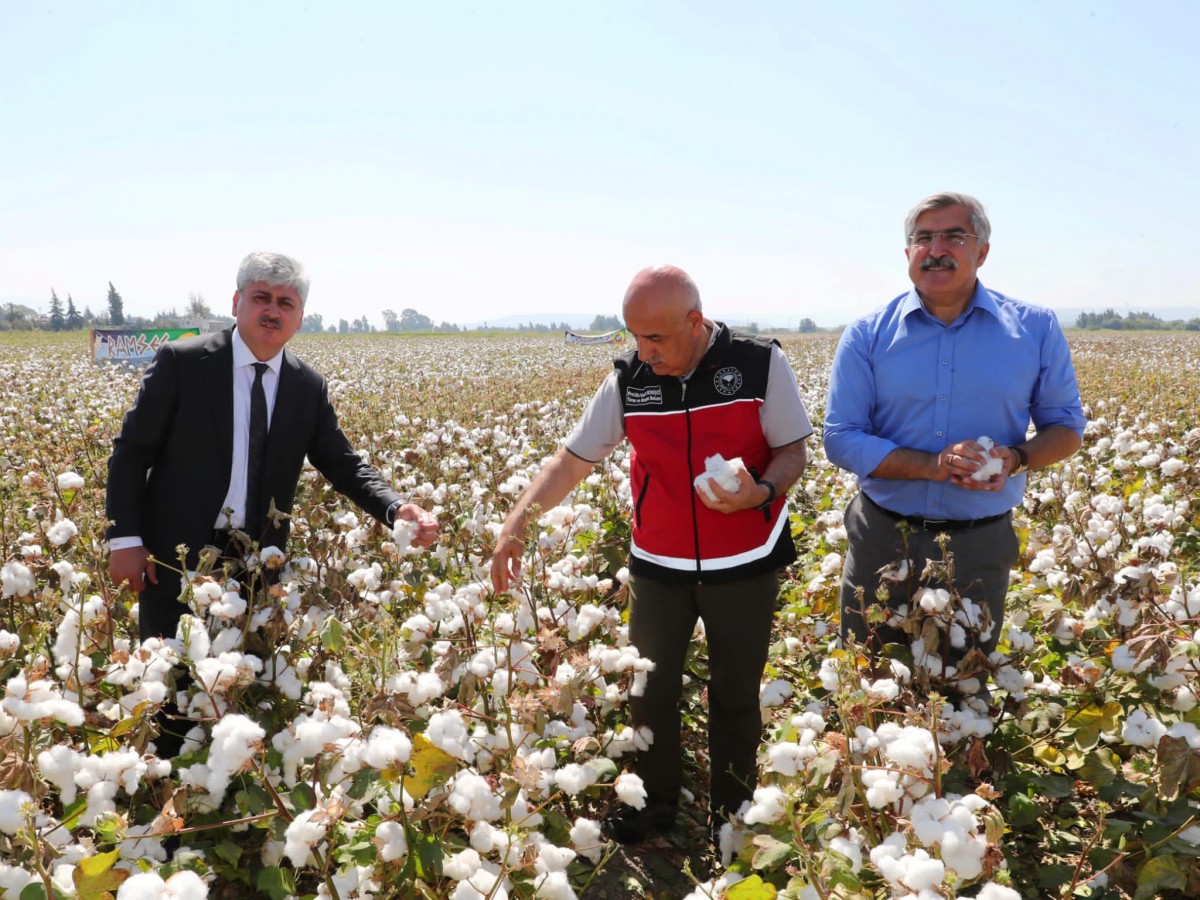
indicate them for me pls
(903, 378)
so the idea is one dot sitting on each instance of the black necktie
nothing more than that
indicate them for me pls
(255, 453)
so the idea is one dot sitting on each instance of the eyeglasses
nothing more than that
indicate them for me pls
(926, 238)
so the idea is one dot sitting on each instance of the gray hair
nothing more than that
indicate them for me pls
(275, 269)
(979, 220)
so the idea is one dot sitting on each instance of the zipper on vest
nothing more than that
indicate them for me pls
(637, 508)
(687, 416)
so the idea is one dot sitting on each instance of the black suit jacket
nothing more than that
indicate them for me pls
(170, 465)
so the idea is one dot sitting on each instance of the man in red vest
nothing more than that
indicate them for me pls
(691, 390)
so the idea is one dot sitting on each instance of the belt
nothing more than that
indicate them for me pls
(923, 524)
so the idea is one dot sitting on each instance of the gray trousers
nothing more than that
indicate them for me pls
(982, 555)
(737, 620)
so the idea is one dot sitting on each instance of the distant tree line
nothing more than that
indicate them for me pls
(1111, 320)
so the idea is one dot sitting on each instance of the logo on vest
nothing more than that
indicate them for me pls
(643, 396)
(728, 381)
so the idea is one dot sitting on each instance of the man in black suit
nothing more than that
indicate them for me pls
(219, 431)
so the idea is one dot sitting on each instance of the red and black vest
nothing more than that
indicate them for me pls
(673, 426)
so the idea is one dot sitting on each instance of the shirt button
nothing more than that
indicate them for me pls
(945, 362)
(939, 434)
(942, 398)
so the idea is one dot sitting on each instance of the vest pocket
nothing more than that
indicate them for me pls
(637, 507)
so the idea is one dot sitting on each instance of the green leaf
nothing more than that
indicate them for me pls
(303, 797)
(1022, 811)
(278, 884)
(362, 782)
(333, 634)
(769, 853)
(1100, 767)
(1159, 873)
(425, 855)
(229, 851)
(36, 891)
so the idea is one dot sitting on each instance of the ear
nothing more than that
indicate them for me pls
(908, 253)
(983, 252)
(236, 295)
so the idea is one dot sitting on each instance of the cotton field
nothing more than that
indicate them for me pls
(378, 724)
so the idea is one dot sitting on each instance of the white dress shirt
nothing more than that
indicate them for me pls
(243, 381)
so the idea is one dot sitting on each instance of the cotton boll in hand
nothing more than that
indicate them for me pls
(993, 466)
(723, 472)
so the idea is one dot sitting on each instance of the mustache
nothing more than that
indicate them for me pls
(937, 263)
(268, 320)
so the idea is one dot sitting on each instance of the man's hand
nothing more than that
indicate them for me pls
(132, 566)
(426, 522)
(748, 495)
(958, 462)
(506, 562)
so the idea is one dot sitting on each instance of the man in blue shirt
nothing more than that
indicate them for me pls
(915, 386)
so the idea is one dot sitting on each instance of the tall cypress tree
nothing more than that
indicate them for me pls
(74, 319)
(57, 320)
(116, 308)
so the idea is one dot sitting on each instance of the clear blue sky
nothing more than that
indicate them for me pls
(477, 160)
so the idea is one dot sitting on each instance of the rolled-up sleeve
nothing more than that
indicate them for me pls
(849, 443)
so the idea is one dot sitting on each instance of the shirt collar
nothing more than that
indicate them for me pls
(715, 330)
(981, 298)
(243, 357)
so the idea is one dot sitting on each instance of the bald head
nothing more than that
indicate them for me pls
(662, 289)
(662, 312)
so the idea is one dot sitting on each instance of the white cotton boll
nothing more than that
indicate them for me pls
(787, 757)
(883, 788)
(993, 891)
(301, 836)
(231, 606)
(574, 778)
(882, 689)
(462, 865)
(724, 473)
(1171, 467)
(774, 693)
(588, 841)
(994, 465)
(142, 886)
(12, 817)
(934, 599)
(70, 481)
(630, 790)
(831, 564)
(391, 841)
(16, 580)
(768, 806)
(386, 748)
(1142, 730)
(472, 798)
(61, 532)
(830, 674)
(235, 741)
(554, 886)
(552, 858)
(58, 765)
